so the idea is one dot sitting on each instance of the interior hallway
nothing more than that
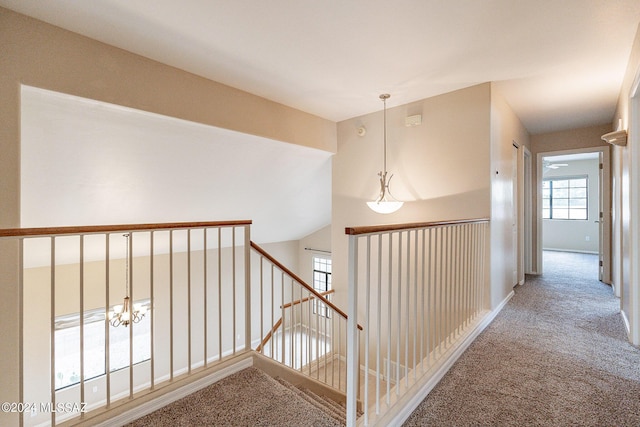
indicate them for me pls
(557, 354)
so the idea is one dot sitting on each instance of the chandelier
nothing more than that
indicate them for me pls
(123, 314)
(385, 203)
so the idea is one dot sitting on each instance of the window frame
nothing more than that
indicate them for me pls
(323, 309)
(568, 179)
(69, 321)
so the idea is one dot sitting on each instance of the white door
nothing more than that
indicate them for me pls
(604, 188)
(600, 221)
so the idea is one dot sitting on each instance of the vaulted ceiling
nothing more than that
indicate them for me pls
(85, 162)
(559, 64)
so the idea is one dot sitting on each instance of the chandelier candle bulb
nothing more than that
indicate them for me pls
(122, 314)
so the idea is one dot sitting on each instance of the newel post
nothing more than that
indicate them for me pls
(353, 368)
(247, 287)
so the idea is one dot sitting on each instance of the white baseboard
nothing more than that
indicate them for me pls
(578, 251)
(627, 325)
(406, 408)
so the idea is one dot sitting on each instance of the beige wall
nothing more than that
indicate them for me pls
(40, 55)
(573, 139)
(505, 171)
(444, 169)
(626, 194)
(441, 168)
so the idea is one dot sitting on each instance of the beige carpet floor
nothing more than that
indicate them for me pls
(247, 398)
(557, 355)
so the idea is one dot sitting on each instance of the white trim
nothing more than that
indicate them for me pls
(626, 323)
(606, 154)
(577, 251)
(400, 412)
(517, 202)
(527, 212)
(539, 240)
(633, 293)
(616, 225)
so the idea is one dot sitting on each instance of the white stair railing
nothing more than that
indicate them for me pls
(417, 289)
(420, 287)
(195, 279)
(302, 328)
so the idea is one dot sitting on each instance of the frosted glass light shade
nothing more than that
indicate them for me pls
(385, 207)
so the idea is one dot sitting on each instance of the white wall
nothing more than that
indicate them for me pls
(571, 235)
(627, 195)
(85, 162)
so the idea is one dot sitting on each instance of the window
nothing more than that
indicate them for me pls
(565, 198)
(67, 346)
(321, 282)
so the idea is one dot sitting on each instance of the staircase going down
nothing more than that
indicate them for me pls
(328, 406)
(249, 398)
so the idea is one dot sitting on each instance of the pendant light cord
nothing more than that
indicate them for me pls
(126, 263)
(384, 98)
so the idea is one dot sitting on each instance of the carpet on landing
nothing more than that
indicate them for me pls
(557, 354)
(247, 398)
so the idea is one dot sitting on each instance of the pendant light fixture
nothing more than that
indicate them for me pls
(123, 314)
(385, 203)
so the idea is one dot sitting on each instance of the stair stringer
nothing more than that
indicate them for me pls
(275, 370)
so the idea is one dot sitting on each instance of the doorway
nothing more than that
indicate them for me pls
(574, 205)
(527, 201)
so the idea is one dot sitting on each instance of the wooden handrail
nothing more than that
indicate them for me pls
(94, 229)
(300, 301)
(298, 279)
(354, 231)
(267, 337)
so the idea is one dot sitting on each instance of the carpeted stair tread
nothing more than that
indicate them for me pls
(328, 403)
(359, 412)
(340, 407)
(330, 407)
(333, 403)
(247, 398)
(326, 400)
